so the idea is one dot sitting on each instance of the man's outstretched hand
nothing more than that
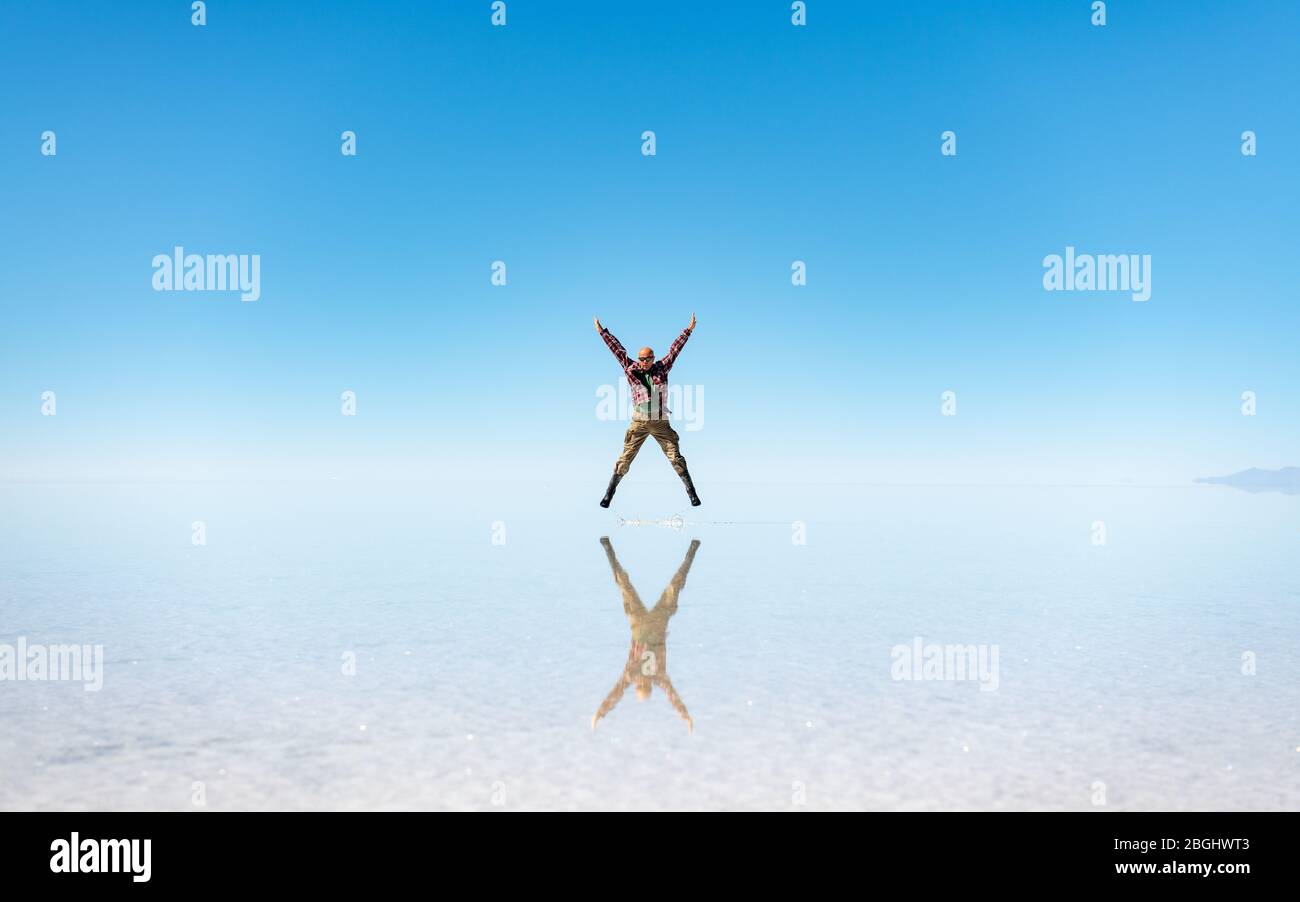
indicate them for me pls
(600, 328)
(691, 327)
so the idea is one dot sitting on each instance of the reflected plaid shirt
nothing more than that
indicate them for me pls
(641, 397)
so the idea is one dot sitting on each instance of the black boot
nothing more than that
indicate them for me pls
(609, 492)
(690, 487)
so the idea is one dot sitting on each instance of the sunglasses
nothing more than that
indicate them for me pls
(651, 357)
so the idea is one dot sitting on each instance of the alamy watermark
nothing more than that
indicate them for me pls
(215, 272)
(932, 661)
(1100, 272)
(24, 662)
(102, 856)
(681, 403)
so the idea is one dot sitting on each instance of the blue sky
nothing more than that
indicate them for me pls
(774, 143)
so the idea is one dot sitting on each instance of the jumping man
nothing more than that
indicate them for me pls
(649, 380)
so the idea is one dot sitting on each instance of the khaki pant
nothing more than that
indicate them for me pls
(638, 432)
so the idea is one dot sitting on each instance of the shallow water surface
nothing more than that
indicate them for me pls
(350, 646)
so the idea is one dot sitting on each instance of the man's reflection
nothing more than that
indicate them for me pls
(647, 659)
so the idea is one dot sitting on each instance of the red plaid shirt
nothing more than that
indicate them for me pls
(641, 397)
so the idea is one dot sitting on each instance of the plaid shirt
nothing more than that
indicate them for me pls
(641, 397)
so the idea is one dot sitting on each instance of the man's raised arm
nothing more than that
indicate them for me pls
(671, 357)
(614, 344)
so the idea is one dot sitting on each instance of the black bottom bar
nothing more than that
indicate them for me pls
(338, 851)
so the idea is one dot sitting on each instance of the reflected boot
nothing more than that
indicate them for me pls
(690, 487)
(609, 492)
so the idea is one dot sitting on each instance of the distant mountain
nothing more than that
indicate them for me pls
(1285, 480)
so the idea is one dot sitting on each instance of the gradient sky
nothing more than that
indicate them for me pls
(775, 143)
